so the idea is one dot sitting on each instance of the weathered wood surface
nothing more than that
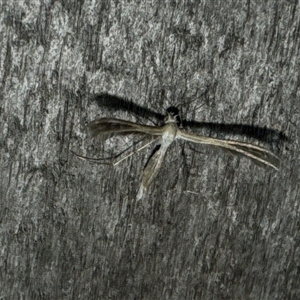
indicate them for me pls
(213, 226)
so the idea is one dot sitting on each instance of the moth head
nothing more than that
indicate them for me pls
(172, 115)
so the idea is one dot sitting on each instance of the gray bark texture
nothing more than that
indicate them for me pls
(213, 225)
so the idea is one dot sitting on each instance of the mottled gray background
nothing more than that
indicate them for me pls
(213, 226)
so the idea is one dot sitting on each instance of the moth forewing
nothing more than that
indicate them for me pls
(111, 126)
(257, 153)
